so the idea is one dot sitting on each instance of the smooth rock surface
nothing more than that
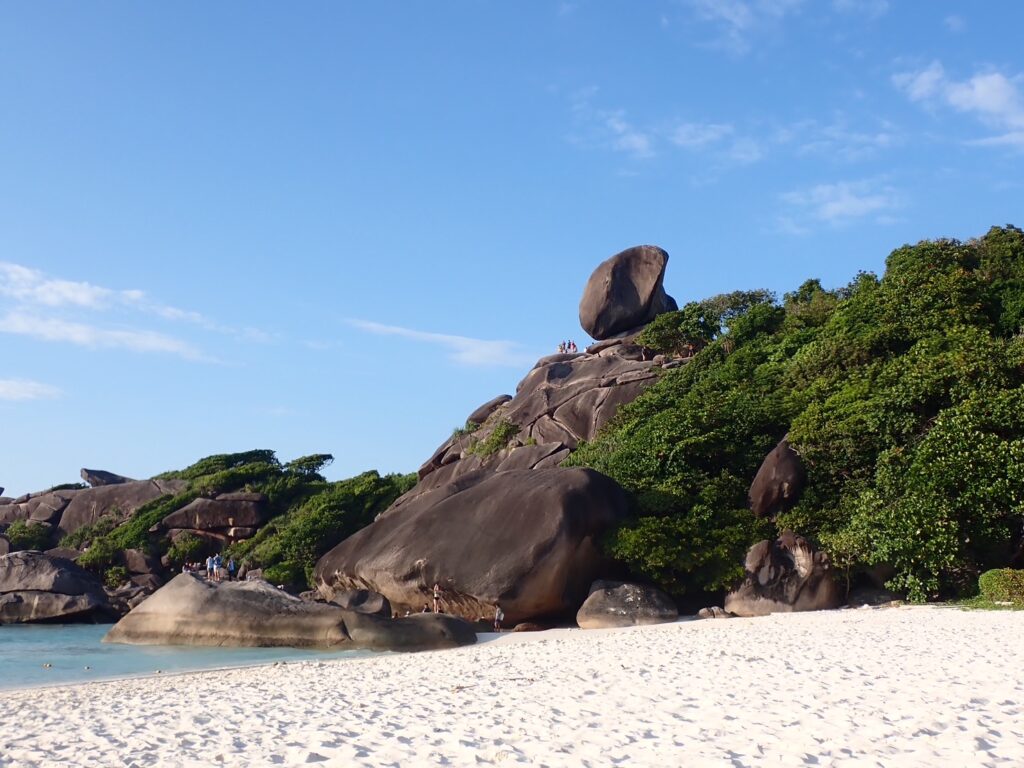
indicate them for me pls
(620, 604)
(362, 601)
(121, 500)
(192, 611)
(225, 511)
(625, 291)
(35, 588)
(98, 477)
(778, 483)
(526, 539)
(784, 576)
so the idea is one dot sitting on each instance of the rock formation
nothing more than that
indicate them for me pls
(526, 539)
(98, 477)
(190, 611)
(779, 481)
(625, 292)
(619, 604)
(783, 576)
(121, 500)
(35, 587)
(221, 520)
(362, 601)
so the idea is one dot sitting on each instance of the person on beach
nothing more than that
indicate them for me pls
(437, 597)
(499, 616)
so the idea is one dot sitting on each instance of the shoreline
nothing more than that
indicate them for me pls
(920, 685)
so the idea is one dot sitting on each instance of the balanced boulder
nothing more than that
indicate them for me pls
(779, 482)
(524, 539)
(191, 611)
(619, 604)
(362, 601)
(625, 292)
(35, 587)
(228, 510)
(784, 576)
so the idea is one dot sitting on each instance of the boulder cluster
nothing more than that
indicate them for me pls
(495, 522)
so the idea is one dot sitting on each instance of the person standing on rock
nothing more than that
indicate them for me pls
(499, 616)
(232, 567)
(437, 597)
(217, 566)
(209, 568)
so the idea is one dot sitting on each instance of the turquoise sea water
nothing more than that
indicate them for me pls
(70, 648)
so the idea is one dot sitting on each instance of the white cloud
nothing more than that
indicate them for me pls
(870, 8)
(843, 201)
(838, 140)
(745, 151)
(697, 135)
(24, 389)
(82, 334)
(461, 349)
(626, 138)
(993, 98)
(740, 20)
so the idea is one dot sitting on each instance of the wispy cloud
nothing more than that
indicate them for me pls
(698, 135)
(86, 335)
(955, 23)
(607, 128)
(839, 140)
(461, 349)
(53, 309)
(839, 203)
(738, 22)
(993, 98)
(873, 9)
(24, 389)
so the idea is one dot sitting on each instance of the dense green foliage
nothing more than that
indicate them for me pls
(1003, 585)
(27, 535)
(308, 514)
(115, 576)
(903, 396)
(288, 547)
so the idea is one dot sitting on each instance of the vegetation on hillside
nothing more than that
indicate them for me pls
(904, 396)
(308, 514)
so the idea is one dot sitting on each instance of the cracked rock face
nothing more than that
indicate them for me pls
(37, 587)
(784, 576)
(625, 292)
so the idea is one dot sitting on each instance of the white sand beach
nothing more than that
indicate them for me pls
(910, 686)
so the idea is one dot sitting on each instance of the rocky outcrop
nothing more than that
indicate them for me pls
(46, 507)
(479, 416)
(563, 400)
(526, 539)
(619, 604)
(191, 611)
(713, 612)
(625, 292)
(779, 481)
(98, 477)
(36, 588)
(120, 501)
(784, 576)
(362, 601)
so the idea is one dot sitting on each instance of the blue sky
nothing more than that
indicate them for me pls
(339, 227)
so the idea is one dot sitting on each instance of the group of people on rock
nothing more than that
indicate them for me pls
(499, 615)
(568, 347)
(215, 567)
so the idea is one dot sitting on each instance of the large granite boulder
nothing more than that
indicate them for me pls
(527, 539)
(120, 500)
(228, 510)
(46, 507)
(362, 601)
(479, 415)
(98, 477)
(5, 545)
(192, 611)
(625, 292)
(36, 588)
(784, 576)
(779, 481)
(619, 604)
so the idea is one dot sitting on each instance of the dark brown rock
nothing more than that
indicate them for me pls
(784, 576)
(35, 587)
(99, 477)
(137, 561)
(625, 291)
(778, 483)
(5, 545)
(713, 612)
(221, 512)
(619, 604)
(526, 539)
(89, 505)
(479, 416)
